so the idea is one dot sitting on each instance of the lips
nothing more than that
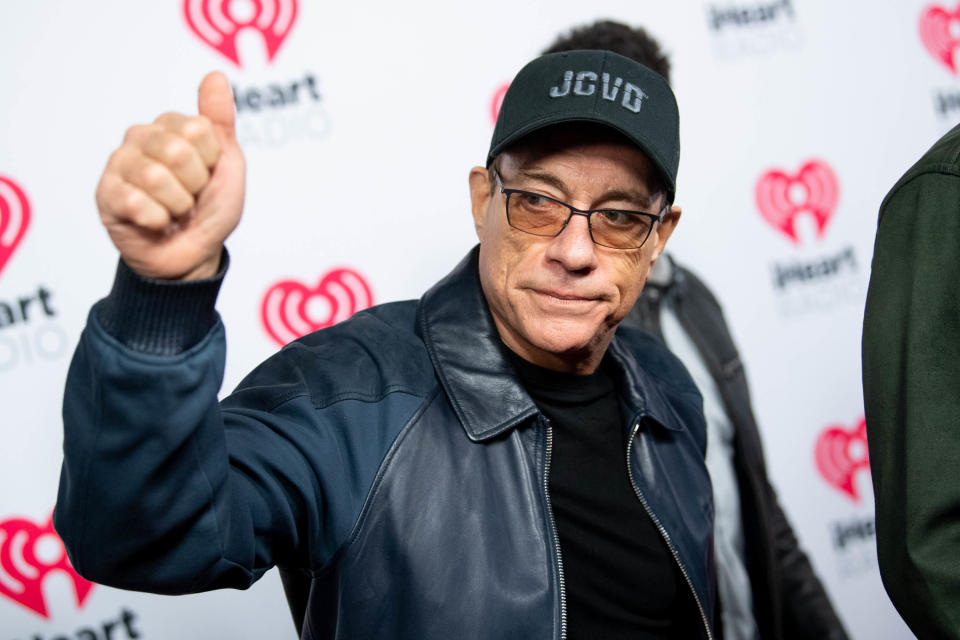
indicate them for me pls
(569, 297)
(551, 301)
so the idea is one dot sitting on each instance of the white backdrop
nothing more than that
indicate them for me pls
(792, 111)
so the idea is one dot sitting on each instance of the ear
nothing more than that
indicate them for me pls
(665, 230)
(479, 196)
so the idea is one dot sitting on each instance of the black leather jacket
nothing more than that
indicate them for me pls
(789, 600)
(392, 465)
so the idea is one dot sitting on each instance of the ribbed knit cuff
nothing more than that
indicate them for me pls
(161, 317)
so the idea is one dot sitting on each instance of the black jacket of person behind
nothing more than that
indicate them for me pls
(788, 599)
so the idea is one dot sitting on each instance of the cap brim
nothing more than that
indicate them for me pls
(556, 119)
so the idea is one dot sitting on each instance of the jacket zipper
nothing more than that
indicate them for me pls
(553, 527)
(663, 532)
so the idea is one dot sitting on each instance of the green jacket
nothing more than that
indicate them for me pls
(911, 389)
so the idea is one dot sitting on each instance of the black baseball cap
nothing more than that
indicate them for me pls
(593, 86)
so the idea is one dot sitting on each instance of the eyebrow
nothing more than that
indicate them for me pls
(637, 197)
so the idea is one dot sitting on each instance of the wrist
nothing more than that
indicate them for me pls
(205, 270)
(160, 316)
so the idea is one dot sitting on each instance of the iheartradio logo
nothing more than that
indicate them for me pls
(497, 100)
(28, 555)
(940, 34)
(219, 22)
(14, 218)
(291, 309)
(840, 454)
(782, 197)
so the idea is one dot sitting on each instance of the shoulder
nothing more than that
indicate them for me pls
(937, 170)
(374, 353)
(945, 151)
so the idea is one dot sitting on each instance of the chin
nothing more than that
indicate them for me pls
(564, 340)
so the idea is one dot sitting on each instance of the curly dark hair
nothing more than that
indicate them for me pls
(631, 42)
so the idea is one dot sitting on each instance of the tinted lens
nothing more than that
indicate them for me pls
(536, 214)
(620, 229)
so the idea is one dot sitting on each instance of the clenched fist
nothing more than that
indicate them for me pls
(173, 191)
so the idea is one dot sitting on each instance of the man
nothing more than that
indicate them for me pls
(911, 390)
(766, 585)
(490, 461)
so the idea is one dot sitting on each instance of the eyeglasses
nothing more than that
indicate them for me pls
(540, 215)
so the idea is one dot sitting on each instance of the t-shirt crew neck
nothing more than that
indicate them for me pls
(621, 579)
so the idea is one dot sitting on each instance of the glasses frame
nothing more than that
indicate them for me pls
(654, 217)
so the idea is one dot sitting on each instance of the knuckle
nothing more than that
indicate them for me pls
(197, 127)
(166, 117)
(132, 132)
(148, 217)
(138, 132)
(124, 160)
(184, 205)
(115, 161)
(177, 153)
(133, 203)
(110, 200)
(154, 176)
(198, 181)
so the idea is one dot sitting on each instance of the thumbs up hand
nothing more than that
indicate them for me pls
(173, 191)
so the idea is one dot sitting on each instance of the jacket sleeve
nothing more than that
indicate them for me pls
(163, 489)
(911, 385)
(802, 610)
(808, 613)
(780, 569)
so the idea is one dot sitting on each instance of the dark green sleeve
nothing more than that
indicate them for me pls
(911, 385)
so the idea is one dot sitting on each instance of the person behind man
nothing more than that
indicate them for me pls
(766, 585)
(911, 390)
(434, 468)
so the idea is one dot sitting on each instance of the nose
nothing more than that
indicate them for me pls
(573, 247)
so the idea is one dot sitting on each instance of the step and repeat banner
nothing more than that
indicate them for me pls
(360, 122)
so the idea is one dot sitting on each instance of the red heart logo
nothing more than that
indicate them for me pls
(218, 22)
(782, 197)
(497, 100)
(14, 218)
(940, 34)
(840, 454)
(28, 554)
(291, 309)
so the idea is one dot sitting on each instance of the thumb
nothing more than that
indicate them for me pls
(215, 101)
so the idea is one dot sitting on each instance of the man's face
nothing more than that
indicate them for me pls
(557, 301)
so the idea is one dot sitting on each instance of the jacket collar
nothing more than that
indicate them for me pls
(468, 357)
(661, 275)
(639, 387)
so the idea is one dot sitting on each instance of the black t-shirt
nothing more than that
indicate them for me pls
(621, 579)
